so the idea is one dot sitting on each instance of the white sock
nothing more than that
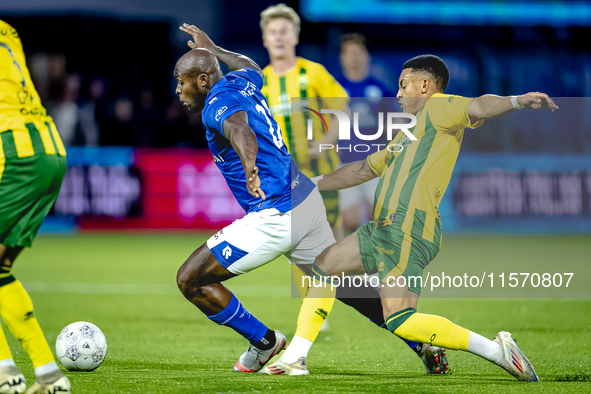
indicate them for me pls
(299, 347)
(7, 363)
(46, 369)
(485, 348)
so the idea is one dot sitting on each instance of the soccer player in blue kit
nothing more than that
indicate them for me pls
(248, 148)
(285, 214)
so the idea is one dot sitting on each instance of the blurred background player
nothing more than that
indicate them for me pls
(290, 76)
(356, 203)
(32, 166)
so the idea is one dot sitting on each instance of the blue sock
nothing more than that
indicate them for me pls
(416, 346)
(240, 320)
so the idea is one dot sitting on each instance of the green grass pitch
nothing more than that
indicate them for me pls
(159, 343)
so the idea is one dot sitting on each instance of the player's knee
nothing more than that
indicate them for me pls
(188, 277)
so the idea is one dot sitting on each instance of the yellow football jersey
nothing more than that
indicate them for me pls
(413, 180)
(25, 128)
(308, 81)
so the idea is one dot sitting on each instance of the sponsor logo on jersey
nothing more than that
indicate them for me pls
(385, 251)
(212, 100)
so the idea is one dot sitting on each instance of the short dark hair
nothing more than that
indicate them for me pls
(355, 38)
(432, 65)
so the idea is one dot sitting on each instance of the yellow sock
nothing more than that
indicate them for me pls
(4, 349)
(16, 309)
(315, 308)
(431, 329)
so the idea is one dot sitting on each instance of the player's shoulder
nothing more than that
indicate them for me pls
(268, 70)
(244, 76)
(438, 100)
(311, 66)
(216, 104)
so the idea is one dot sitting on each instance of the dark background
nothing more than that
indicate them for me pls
(131, 47)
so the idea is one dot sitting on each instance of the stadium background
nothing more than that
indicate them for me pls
(138, 162)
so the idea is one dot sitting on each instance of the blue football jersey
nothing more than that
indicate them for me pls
(284, 185)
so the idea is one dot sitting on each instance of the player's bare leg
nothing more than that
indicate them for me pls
(400, 304)
(16, 309)
(199, 279)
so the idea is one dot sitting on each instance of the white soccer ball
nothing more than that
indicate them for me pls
(81, 346)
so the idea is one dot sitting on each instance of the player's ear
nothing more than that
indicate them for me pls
(425, 87)
(202, 80)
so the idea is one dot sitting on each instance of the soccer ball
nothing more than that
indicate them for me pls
(81, 346)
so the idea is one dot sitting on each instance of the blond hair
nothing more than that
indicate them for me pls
(280, 11)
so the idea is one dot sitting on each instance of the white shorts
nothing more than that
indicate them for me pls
(260, 237)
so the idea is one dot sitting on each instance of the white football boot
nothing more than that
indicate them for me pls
(12, 381)
(513, 360)
(280, 367)
(254, 359)
(434, 358)
(62, 385)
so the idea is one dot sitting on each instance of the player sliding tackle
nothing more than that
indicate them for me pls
(406, 232)
(249, 151)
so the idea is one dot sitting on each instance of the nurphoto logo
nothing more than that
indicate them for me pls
(345, 130)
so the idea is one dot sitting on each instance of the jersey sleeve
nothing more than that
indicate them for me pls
(250, 75)
(224, 106)
(377, 161)
(449, 113)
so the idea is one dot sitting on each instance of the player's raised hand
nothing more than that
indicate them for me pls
(537, 100)
(253, 184)
(200, 38)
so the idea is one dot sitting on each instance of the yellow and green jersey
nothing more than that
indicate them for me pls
(413, 180)
(309, 82)
(25, 128)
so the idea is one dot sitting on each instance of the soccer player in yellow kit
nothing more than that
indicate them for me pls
(32, 166)
(406, 232)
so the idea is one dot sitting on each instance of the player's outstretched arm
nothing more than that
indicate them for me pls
(244, 141)
(234, 61)
(491, 106)
(352, 174)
